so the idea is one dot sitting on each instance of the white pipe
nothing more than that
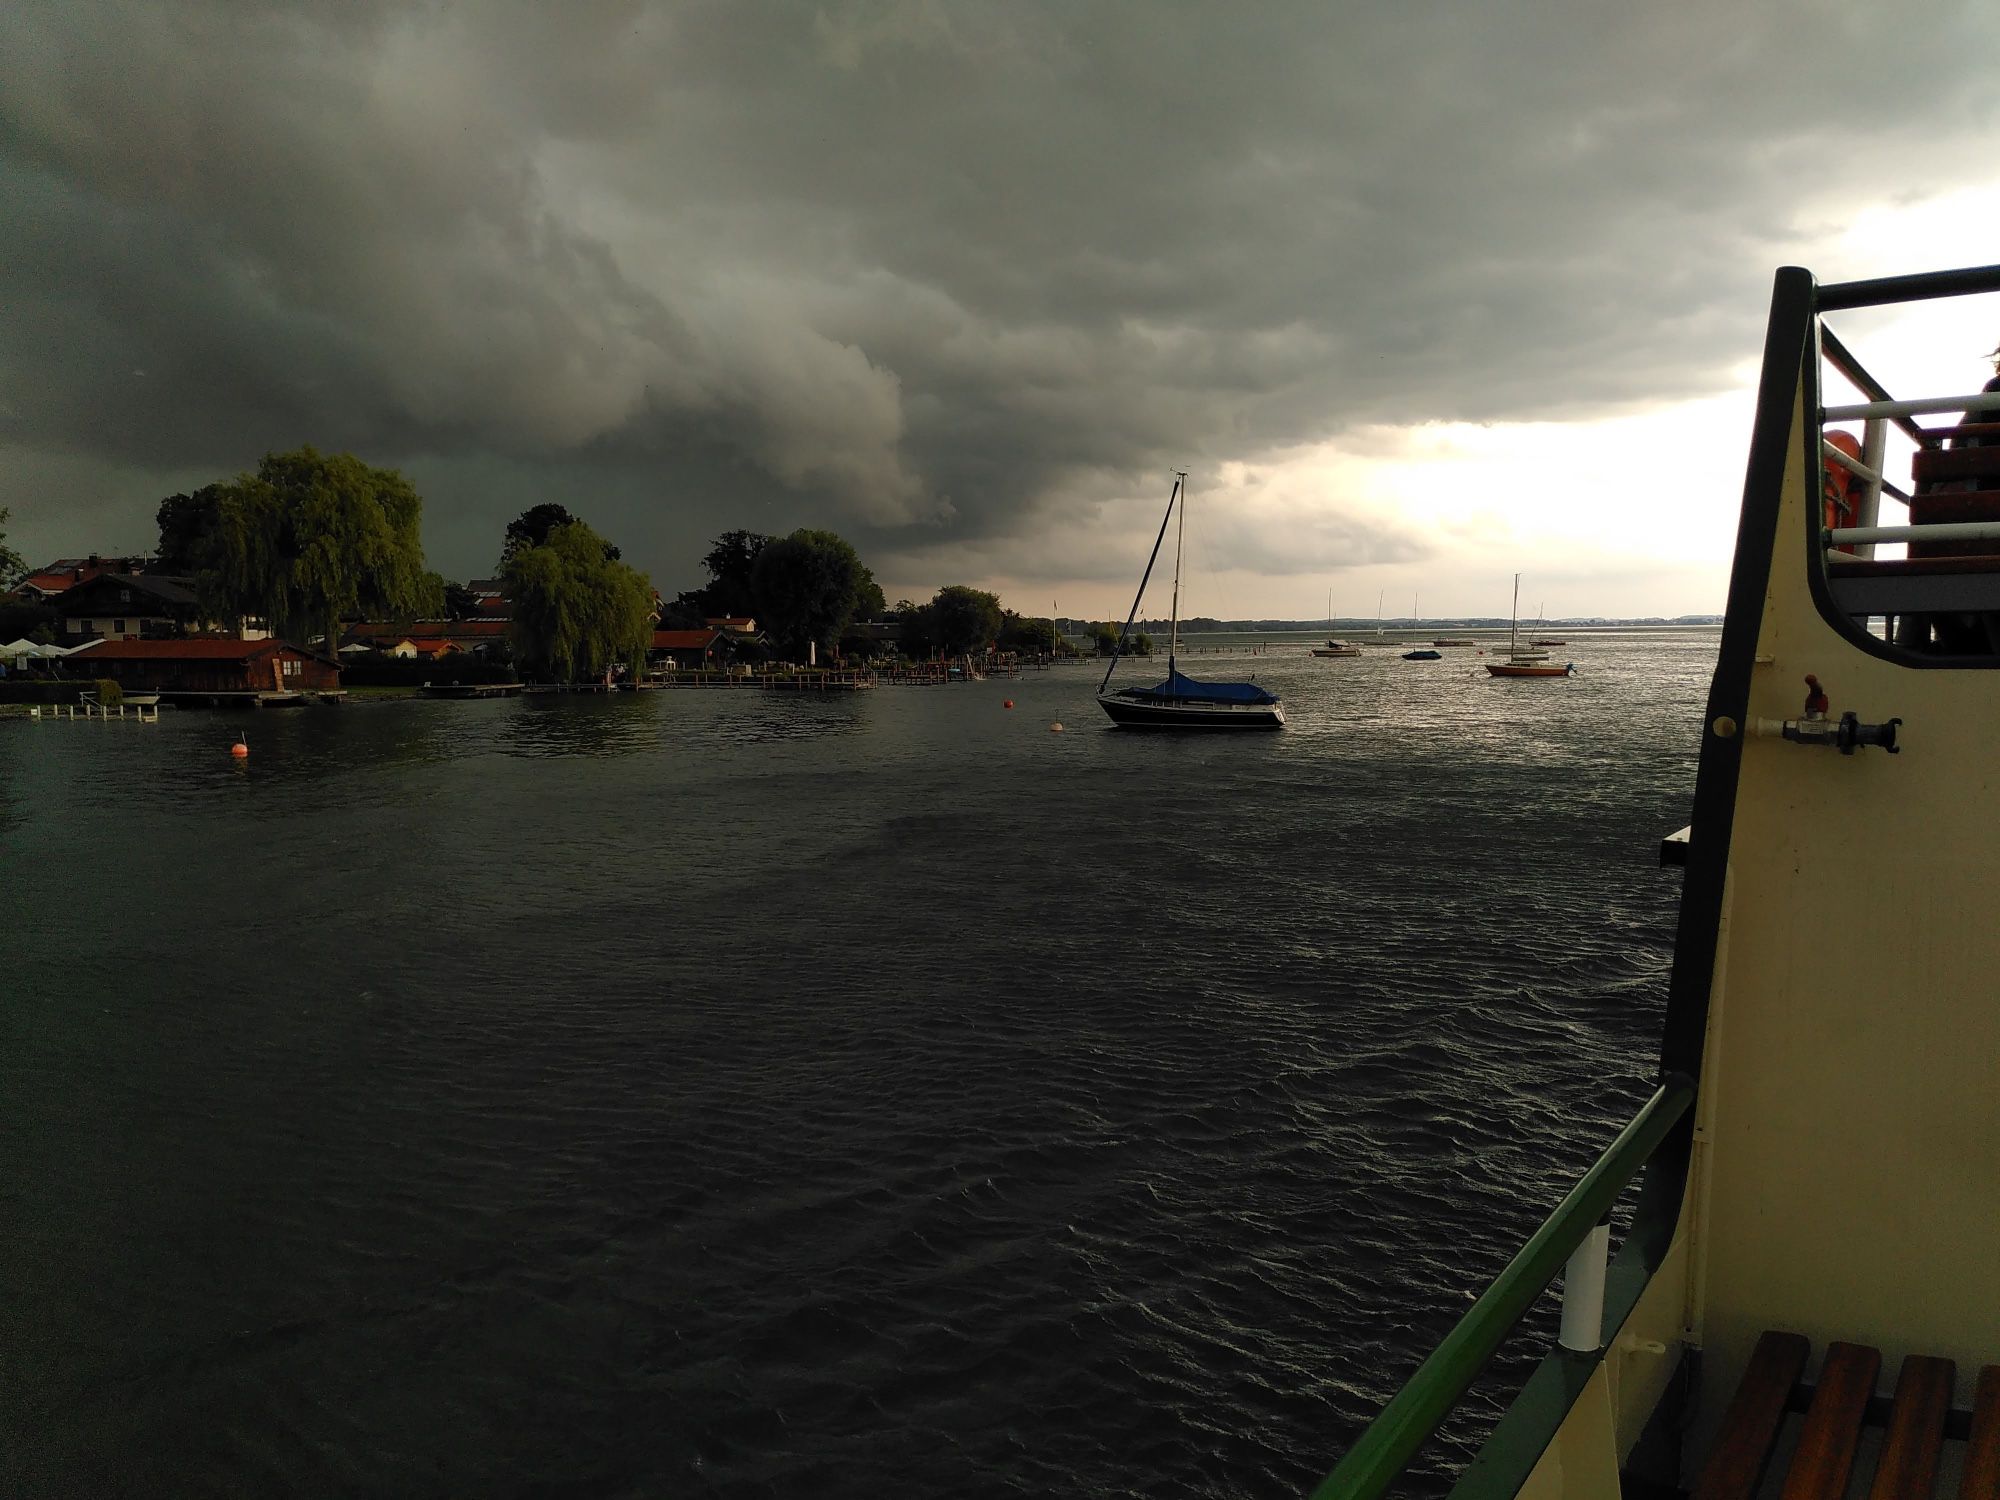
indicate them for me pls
(1848, 462)
(1583, 1293)
(1979, 401)
(1950, 531)
(1874, 437)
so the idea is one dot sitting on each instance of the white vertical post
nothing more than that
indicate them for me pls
(1583, 1293)
(1874, 442)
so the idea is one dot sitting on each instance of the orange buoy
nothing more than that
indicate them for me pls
(241, 749)
(1008, 704)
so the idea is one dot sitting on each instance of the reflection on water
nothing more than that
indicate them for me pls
(717, 1092)
(562, 724)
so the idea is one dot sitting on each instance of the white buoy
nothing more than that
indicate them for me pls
(1056, 728)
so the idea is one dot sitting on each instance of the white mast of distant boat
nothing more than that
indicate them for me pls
(1180, 539)
(1514, 625)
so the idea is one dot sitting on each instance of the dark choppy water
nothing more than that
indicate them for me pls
(717, 1094)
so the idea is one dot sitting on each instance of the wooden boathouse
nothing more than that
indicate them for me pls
(210, 668)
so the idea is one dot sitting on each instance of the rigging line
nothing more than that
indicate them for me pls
(1125, 634)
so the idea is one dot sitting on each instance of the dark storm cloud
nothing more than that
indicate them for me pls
(940, 276)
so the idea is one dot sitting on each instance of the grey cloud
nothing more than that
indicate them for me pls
(951, 278)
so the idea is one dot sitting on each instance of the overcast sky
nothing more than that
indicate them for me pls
(1422, 293)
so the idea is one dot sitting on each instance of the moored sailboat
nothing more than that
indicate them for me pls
(1524, 662)
(1334, 647)
(1180, 702)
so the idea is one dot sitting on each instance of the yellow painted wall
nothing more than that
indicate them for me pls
(1851, 1091)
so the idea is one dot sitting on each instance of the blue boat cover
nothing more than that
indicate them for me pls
(1185, 689)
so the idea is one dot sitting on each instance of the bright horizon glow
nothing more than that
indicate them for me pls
(1619, 518)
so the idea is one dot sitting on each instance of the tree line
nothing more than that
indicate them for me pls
(311, 539)
(808, 590)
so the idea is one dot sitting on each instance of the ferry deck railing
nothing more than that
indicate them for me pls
(1658, 1139)
(1569, 1238)
(1855, 583)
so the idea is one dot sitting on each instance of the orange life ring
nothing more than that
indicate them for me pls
(1840, 489)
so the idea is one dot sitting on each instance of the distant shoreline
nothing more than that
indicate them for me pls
(1422, 627)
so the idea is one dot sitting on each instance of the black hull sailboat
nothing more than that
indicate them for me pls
(1180, 702)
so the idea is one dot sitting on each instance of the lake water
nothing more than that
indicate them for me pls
(702, 1093)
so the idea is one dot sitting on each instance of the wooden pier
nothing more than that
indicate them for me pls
(139, 713)
(778, 682)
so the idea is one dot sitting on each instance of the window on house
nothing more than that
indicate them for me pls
(124, 596)
(74, 627)
(119, 626)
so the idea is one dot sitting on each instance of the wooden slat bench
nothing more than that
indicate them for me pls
(1917, 1420)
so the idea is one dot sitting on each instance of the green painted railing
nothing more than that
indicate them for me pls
(1406, 1423)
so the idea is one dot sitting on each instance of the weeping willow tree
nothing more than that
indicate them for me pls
(577, 609)
(310, 538)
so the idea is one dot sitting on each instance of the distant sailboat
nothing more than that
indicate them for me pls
(1521, 663)
(1332, 646)
(1181, 702)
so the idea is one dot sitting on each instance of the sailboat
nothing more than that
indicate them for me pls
(1520, 663)
(1180, 702)
(1332, 646)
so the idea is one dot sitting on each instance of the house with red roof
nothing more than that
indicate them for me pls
(126, 606)
(209, 667)
(691, 649)
(65, 573)
(423, 637)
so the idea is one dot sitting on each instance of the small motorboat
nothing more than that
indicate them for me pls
(1423, 656)
(1337, 648)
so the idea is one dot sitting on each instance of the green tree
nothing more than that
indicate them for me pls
(730, 590)
(532, 526)
(1025, 632)
(807, 587)
(872, 603)
(12, 568)
(577, 609)
(188, 525)
(310, 538)
(460, 603)
(919, 630)
(964, 619)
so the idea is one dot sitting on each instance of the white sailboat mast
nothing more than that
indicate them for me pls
(1514, 625)
(1180, 538)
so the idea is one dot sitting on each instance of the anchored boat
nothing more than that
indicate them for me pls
(1811, 1245)
(1180, 702)
(1524, 662)
(1334, 647)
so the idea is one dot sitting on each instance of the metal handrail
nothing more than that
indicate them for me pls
(1842, 359)
(1859, 470)
(1962, 283)
(1936, 531)
(1428, 1396)
(1923, 406)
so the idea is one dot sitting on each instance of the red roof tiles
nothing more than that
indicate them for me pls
(200, 648)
